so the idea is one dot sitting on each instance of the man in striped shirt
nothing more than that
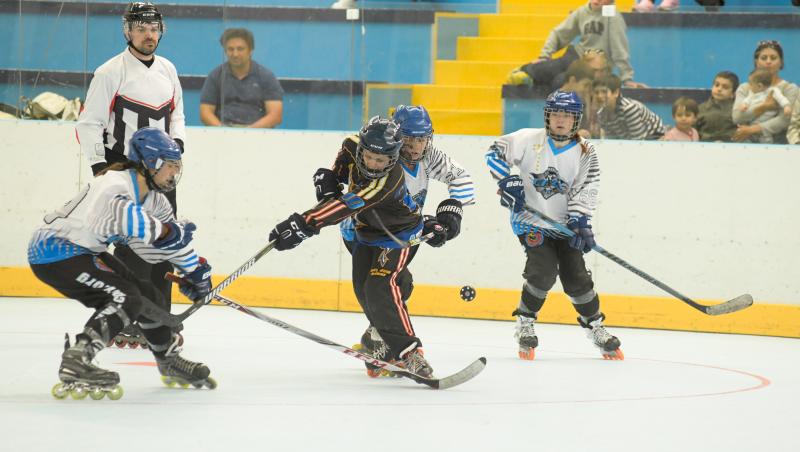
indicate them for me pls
(623, 118)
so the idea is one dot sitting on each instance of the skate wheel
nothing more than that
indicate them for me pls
(184, 385)
(211, 383)
(78, 393)
(144, 346)
(357, 347)
(133, 344)
(616, 355)
(115, 393)
(97, 394)
(528, 354)
(120, 343)
(168, 381)
(197, 385)
(59, 391)
(373, 373)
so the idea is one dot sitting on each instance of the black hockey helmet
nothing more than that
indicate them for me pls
(380, 136)
(141, 12)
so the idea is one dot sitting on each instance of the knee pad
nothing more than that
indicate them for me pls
(531, 299)
(587, 304)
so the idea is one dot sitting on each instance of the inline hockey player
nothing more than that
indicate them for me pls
(377, 198)
(559, 175)
(134, 89)
(124, 204)
(421, 162)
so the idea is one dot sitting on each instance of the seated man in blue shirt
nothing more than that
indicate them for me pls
(241, 92)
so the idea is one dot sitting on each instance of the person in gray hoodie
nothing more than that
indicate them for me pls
(597, 33)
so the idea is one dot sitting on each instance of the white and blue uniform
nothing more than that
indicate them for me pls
(108, 211)
(434, 165)
(561, 182)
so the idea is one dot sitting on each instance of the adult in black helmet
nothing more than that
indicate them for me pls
(132, 90)
(378, 200)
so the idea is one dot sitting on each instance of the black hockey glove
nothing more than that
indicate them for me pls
(449, 214)
(431, 225)
(177, 236)
(290, 232)
(584, 237)
(197, 284)
(512, 193)
(326, 185)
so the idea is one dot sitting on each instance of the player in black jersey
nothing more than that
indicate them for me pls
(379, 201)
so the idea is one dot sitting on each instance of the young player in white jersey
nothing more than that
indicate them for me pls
(559, 175)
(421, 162)
(125, 204)
(132, 90)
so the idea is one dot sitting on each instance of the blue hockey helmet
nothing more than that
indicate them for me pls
(378, 136)
(152, 148)
(563, 101)
(417, 130)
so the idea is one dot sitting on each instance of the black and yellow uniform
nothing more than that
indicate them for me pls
(381, 280)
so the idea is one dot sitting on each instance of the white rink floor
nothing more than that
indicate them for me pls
(280, 392)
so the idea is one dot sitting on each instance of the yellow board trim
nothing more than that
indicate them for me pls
(492, 304)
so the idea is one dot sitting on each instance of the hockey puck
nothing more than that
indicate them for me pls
(467, 293)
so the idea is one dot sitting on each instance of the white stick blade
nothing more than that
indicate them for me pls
(733, 305)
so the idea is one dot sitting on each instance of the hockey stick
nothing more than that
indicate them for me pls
(402, 243)
(732, 305)
(465, 374)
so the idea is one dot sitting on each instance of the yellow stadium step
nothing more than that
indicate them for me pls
(553, 6)
(473, 73)
(498, 49)
(467, 122)
(532, 26)
(453, 97)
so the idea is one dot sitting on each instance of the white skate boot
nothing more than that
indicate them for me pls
(601, 338)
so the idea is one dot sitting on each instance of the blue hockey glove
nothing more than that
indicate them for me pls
(197, 284)
(584, 237)
(178, 236)
(291, 232)
(439, 232)
(326, 185)
(512, 193)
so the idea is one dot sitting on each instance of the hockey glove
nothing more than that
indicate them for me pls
(449, 214)
(197, 284)
(512, 193)
(177, 235)
(584, 237)
(439, 232)
(290, 232)
(326, 185)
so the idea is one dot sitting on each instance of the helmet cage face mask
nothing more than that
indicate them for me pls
(155, 152)
(162, 166)
(415, 127)
(567, 102)
(410, 140)
(372, 173)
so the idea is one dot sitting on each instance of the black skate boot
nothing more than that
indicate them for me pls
(525, 335)
(372, 344)
(176, 370)
(131, 337)
(415, 362)
(601, 338)
(79, 377)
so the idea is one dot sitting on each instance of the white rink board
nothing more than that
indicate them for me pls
(711, 220)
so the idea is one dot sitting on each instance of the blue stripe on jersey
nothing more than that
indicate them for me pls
(497, 165)
(410, 171)
(387, 242)
(461, 190)
(140, 217)
(557, 150)
(45, 248)
(135, 186)
(467, 196)
(130, 221)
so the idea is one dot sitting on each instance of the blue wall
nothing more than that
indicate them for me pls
(399, 53)
(690, 57)
(300, 111)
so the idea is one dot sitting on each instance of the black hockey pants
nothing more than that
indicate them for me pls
(105, 284)
(382, 284)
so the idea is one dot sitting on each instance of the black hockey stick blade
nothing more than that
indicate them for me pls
(456, 379)
(732, 305)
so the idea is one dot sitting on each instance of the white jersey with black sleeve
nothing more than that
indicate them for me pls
(561, 182)
(124, 96)
(108, 211)
(439, 166)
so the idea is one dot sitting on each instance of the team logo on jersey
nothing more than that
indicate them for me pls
(384, 257)
(534, 238)
(419, 198)
(549, 183)
(101, 265)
